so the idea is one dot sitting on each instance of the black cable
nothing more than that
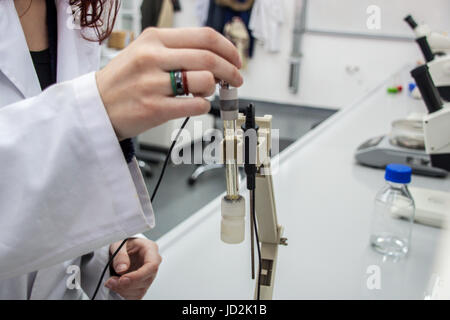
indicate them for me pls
(250, 170)
(166, 161)
(253, 213)
(106, 268)
(168, 157)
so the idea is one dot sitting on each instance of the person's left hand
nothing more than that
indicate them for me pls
(136, 264)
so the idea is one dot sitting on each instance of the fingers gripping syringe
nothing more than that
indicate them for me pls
(233, 205)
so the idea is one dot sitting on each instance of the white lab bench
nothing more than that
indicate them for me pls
(324, 200)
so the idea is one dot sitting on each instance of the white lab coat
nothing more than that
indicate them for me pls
(265, 23)
(65, 187)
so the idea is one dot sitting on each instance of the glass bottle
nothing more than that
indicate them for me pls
(390, 235)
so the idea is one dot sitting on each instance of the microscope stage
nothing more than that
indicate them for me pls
(378, 152)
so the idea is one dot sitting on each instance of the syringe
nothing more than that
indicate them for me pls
(233, 205)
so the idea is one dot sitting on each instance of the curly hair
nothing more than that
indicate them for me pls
(99, 15)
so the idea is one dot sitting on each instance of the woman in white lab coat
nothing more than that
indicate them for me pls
(66, 191)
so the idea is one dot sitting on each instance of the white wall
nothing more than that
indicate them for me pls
(351, 15)
(324, 81)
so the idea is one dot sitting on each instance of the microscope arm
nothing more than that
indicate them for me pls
(439, 43)
(437, 132)
(436, 123)
(438, 68)
(440, 72)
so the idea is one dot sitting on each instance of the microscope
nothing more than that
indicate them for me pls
(439, 43)
(247, 141)
(411, 141)
(439, 68)
(407, 141)
(436, 123)
(433, 159)
(433, 206)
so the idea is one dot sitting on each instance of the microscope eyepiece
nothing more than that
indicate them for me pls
(411, 22)
(427, 88)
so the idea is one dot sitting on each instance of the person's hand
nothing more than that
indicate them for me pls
(135, 86)
(136, 263)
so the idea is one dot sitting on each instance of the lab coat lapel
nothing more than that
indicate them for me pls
(51, 283)
(15, 59)
(46, 282)
(76, 55)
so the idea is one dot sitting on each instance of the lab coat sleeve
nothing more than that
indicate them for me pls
(65, 187)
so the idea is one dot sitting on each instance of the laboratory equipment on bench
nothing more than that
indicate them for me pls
(439, 42)
(250, 146)
(378, 152)
(396, 89)
(436, 122)
(233, 204)
(422, 143)
(440, 72)
(439, 68)
(391, 236)
(432, 207)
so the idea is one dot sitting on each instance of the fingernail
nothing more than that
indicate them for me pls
(121, 267)
(124, 281)
(241, 82)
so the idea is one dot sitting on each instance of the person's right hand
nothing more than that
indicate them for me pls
(135, 86)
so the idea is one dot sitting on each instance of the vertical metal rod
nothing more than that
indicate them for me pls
(301, 8)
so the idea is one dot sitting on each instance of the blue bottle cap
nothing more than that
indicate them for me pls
(398, 173)
(411, 86)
